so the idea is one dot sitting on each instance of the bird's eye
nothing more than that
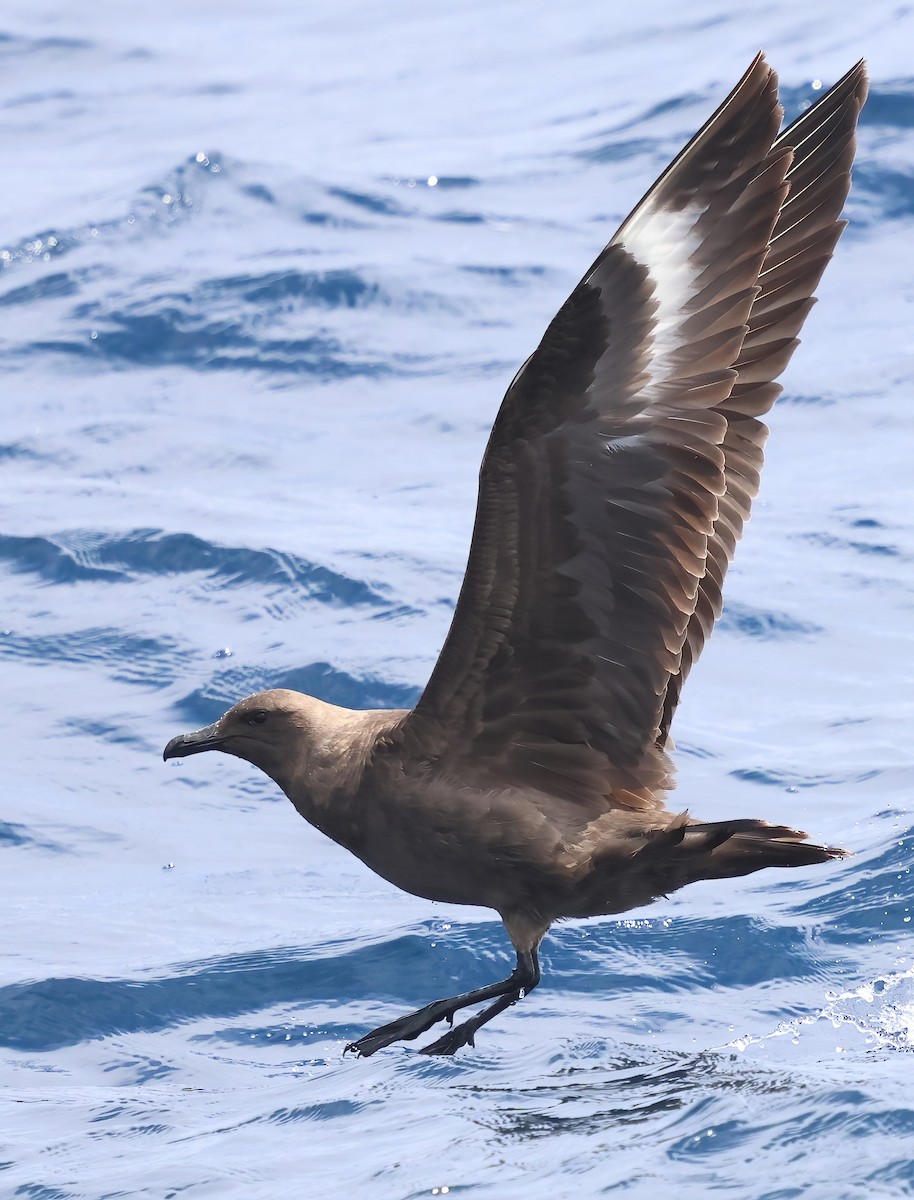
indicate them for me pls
(255, 718)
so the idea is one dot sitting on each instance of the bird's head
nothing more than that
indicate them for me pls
(315, 751)
(273, 730)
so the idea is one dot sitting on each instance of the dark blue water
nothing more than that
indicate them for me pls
(266, 272)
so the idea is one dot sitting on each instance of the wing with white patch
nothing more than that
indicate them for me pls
(601, 485)
(805, 234)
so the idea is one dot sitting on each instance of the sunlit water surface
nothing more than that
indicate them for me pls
(266, 272)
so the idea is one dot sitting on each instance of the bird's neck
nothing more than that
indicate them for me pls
(325, 782)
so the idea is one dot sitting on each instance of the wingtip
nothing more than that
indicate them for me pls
(758, 74)
(858, 77)
(855, 82)
(761, 65)
(863, 75)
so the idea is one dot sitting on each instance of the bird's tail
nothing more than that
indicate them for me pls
(723, 849)
(683, 851)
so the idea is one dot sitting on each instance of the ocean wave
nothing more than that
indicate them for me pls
(320, 679)
(757, 623)
(91, 555)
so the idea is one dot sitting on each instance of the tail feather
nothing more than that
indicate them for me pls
(683, 852)
(723, 849)
(731, 848)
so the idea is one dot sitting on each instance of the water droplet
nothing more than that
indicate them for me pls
(432, 181)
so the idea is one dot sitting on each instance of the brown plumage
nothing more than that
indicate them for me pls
(532, 774)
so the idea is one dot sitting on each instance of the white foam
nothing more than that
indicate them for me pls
(881, 1011)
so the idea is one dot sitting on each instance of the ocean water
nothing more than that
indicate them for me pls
(265, 273)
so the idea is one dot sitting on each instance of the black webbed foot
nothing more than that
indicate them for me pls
(522, 980)
(403, 1029)
(455, 1039)
(463, 1035)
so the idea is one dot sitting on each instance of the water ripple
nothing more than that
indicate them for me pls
(92, 555)
(319, 679)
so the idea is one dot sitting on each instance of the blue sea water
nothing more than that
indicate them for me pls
(265, 273)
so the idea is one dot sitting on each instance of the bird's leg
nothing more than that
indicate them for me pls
(524, 977)
(463, 1035)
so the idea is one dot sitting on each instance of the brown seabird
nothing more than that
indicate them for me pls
(532, 774)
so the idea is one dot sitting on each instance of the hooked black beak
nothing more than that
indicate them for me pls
(194, 743)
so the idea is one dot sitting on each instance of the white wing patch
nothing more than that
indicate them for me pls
(663, 242)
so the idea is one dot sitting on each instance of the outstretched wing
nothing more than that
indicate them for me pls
(805, 234)
(603, 490)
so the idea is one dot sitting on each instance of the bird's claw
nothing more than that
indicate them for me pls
(362, 1047)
